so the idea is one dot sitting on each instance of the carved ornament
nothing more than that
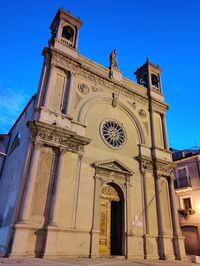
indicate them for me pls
(164, 169)
(147, 164)
(108, 192)
(95, 89)
(113, 87)
(113, 170)
(52, 135)
(83, 88)
(133, 105)
(67, 63)
(142, 113)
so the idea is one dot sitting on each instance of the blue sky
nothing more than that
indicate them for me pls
(167, 32)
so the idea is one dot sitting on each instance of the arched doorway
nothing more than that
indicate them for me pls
(111, 239)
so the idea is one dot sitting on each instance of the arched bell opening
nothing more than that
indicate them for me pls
(112, 236)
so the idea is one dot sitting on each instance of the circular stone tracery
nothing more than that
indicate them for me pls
(113, 133)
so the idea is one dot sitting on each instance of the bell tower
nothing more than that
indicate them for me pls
(56, 83)
(64, 32)
(148, 75)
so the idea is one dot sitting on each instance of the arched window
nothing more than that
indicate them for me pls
(154, 80)
(16, 142)
(68, 33)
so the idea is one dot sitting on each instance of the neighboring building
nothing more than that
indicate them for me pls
(187, 184)
(88, 171)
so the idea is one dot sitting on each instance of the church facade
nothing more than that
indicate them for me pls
(88, 170)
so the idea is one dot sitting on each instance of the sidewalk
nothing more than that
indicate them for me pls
(90, 262)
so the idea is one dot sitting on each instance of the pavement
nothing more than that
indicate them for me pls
(90, 262)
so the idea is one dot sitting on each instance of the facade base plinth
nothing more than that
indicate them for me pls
(150, 247)
(62, 242)
(165, 248)
(134, 251)
(179, 248)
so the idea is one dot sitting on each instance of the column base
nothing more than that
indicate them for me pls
(165, 247)
(94, 251)
(66, 242)
(179, 248)
(150, 246)
(27, 241)
(134, 248)
(20, 241)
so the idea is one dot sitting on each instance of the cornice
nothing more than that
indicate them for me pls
(66, 63)
(55, 136)
(98, 74)
(163, 168)
(159, 106)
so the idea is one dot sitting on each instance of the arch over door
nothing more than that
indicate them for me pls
(191, 240)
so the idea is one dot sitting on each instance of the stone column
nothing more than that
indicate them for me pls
(159, 204)
(69, 95)
(94, 245)
(50, 87)
(176, 228)
(127, 216)
(145, 201)
(165, 135)
(77, 36)
(76, 193)
(54, 212)
(152, 125)
(175, 222)
(30, 184)
(42, 82)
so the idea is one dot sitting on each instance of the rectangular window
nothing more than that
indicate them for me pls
(187, 203)
(182, 177)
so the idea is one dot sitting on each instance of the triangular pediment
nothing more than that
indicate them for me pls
(113, 165)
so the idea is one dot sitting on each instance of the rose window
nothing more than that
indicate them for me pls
(113, 133)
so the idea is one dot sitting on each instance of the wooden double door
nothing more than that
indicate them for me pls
(111, 223)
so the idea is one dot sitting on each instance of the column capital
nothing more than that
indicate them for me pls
(172, 176)
(38, 145)
(62, 150)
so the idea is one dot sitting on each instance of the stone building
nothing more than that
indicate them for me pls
(187, 186)
(88, 171)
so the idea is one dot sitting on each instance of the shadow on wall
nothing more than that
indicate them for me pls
(40, 242)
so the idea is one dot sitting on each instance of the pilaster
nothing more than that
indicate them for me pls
(55, 203)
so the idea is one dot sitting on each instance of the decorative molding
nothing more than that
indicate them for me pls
(142, 113)
(159, 107)
(67, 63)
(133, 105)
(77, 100)
(83, 88)
(95, 89)
(54, 136)
(112, 169)
(147, 164)
(113, 133)
(108, 192)
(164, 168)
(119, 89)
(146, 126)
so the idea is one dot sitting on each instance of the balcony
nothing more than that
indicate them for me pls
(186, 213)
